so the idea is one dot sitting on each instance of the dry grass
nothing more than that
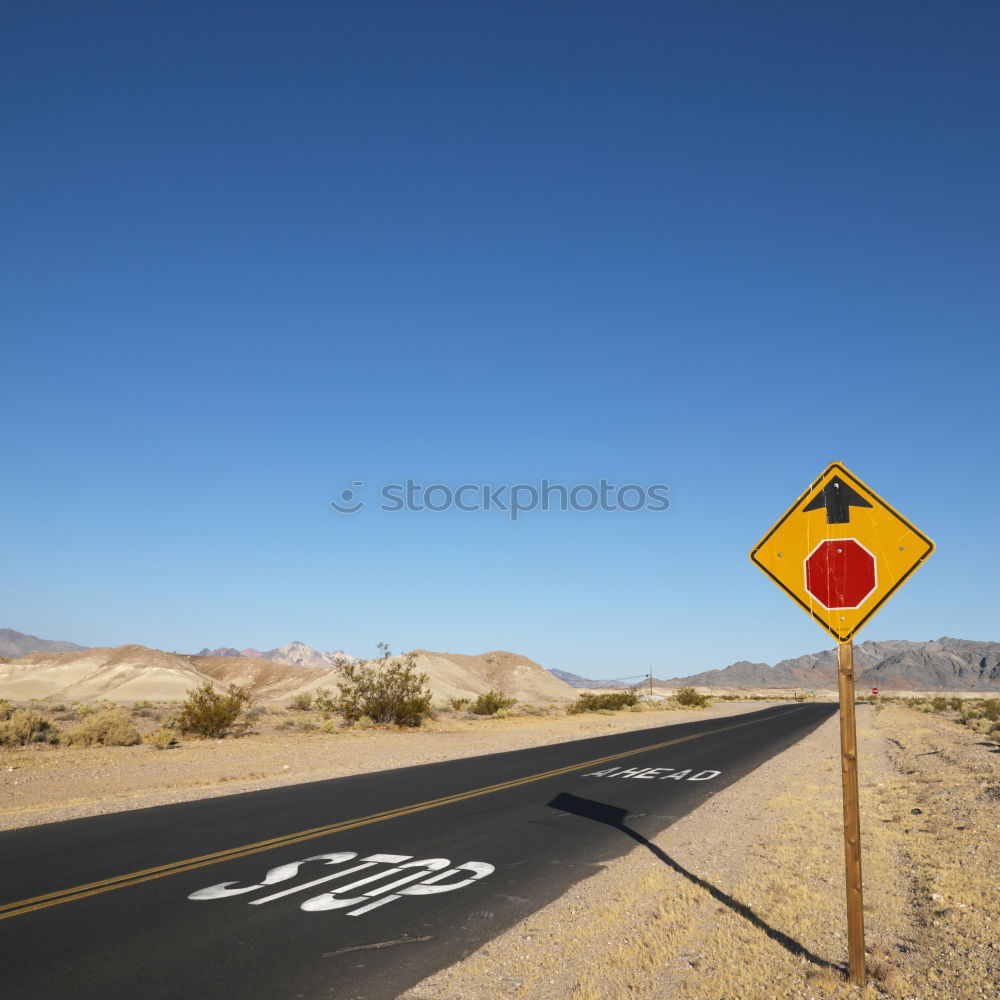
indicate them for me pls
(46, 723)
(161, 739)
(112, 728)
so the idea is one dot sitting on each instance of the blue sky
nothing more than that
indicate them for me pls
(255, 252)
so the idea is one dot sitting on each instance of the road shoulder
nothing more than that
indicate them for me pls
(744, 898)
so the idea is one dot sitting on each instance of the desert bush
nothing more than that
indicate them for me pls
(112, 728)
(364, 722)
(301, 702)
(329, 726)
(161, 739)
(491, 702)
(460, 704)
(386, 691)
(608, 700)
(6, 709)
(323, 700)
(939, 704)
(212, 714)
(990, 709)
(85, 709)
(503, 713)
(955, 704)
(24, 727)
(533, 710)
(690, 698)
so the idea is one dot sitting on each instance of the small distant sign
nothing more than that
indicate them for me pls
(874, 690)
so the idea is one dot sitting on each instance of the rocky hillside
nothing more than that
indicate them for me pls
(296, 653)
(942, 665)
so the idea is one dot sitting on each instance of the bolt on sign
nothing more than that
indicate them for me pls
(840, 551)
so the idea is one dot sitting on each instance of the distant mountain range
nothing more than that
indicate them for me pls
(575, 680)
(20, 644)
(297, 654)
(941, 665)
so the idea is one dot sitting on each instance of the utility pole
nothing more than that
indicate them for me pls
(651, 680)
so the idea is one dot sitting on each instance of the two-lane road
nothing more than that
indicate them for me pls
(352, 888)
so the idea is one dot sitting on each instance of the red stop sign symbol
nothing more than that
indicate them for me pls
(874, 690)
(840, 573)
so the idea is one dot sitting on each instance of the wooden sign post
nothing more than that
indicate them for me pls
(852, 815)
(840, 552)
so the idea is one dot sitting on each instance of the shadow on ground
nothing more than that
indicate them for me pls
(614, 816)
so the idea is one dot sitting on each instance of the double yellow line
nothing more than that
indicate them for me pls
(22, 906)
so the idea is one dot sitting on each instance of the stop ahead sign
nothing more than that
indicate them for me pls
(840, 551)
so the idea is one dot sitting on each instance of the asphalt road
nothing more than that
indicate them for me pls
(418, 867)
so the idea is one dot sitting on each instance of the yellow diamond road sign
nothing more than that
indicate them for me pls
(840, 551)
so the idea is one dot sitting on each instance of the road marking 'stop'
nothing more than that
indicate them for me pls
(22, 906)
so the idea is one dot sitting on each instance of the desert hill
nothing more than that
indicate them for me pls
(941, 665)
(136, 673)
(464, 676)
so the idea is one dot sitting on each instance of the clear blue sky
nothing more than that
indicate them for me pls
(254, 252)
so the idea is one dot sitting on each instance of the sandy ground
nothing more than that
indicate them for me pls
(744, 898)
(48, 784)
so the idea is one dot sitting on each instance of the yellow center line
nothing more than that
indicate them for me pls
(19, 907)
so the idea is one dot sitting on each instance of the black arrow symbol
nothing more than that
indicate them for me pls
(838, 498)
